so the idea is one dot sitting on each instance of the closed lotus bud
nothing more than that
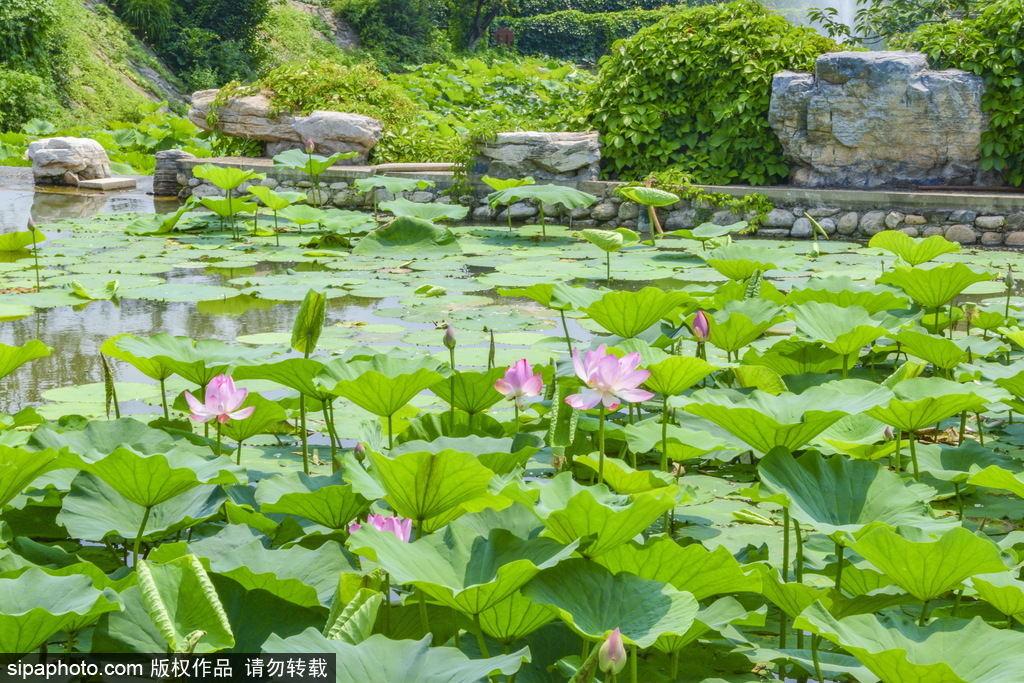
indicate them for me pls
(360, 450)
(612, 655)
(1008, 280)
(701, 328)
(31, 224)
(889, 434)
(310, 146)
(449, 337)
(677, 469)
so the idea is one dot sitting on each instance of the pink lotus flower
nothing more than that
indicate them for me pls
(612, 655)
(701, 328)
(610, 380)
(519, 382)
(402, 528)
(223, 401)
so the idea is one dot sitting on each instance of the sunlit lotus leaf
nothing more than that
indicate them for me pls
(913, 251)
(514, 618)
(309, 322)
(568, 197)
(942, 352)
(505, 183)
(741, 322)
(1003, 591)
(15, 311)
(593, 602)
(627, 314)
(996, 477)
(843, 291)
(610, 240)
(594, 515)
(424, 485)
(500, 455)
(312, 164)
(838, 496)
(558, 296)
(622, 478)
(759, 377)
(474, 391)
(302, 214)
(691, 568)
(328, 501)
(161, 224)
(789, 596)
(709, 231)
(225, 207)
(13, 357)
(960, 463)
(460, 568)
(225, 177)
(275, 201)
(682, 443)
(407, 236)
(647, 196)
(740, 261)
(430, 212)
(936, 285)
(790, 421)
(858, 436)
(181, 600)
(381, 659)
(20, 239)
(36, 606)
(353, 623)
(944, 651)
(843, 330)
(392, 185)
(97, 438)
(927, 568)
(715, 617)
(196, 361)
(795, 357)
(18, 468)
(382, 384)
(677, 374)
(923, 401)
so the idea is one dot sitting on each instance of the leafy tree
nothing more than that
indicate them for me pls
(881, 20)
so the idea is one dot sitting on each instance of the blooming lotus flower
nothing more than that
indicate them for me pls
(519, 382)
(402, 528)
(223, 401)
(612, 655)
(610, 380)
(701, 328)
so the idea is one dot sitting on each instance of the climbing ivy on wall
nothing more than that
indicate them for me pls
(691, 92)
(992, 46)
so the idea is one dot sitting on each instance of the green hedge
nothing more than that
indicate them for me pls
(577, 36)
(532, 8)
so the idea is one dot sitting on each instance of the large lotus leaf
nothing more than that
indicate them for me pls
(181, 600)
(267, 418)
(294, 373)
(224, 207)
(741, 322)
(913, 251)
(381, 660)
(600, 518)
(302, 214)
(681, 443)
(927, 569)
(514, 618)
(296, 574)
(960, 463)
(460, 568)
(610, 240)
(328, 501)
(677, 374)
(838, 495)
(790, 597)
(790, 421)
(709, 231)
(858, 436)
(939, 351)
(392, 185)
(13, 357)
(311, 164)
(499, 455)
(93, 509)
(795, 357)
(256, 614)
(382, 384)
(843, 291)
(843, 330)
(196, 361)
(1003, 591)
(18, 468)
(309, 322)
(624, 479)
(593, 602)
(558, 296)
(923, 401)
(275, 201)
(430, 212)
(740, 261)
(474, 391)
(569, 197)
(225, 177)
(691, 568)
(944, 651)
(149, 480)
(424, 485)
(996, 477)
(19, 239)
(412, 237)
(715, 617)
(627, 314)
(648, 196)
(100, 437)
(147, 366)
(35, 606)
(935, 286)
(505, 183)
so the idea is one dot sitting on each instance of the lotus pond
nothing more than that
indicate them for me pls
(768, 460)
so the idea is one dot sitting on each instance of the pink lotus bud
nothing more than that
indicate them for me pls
(310, 146)
(449, 337)
(677, 469)
(889, 434)
(701, 328)
(359, 450)
(31, 224)
(612, 655)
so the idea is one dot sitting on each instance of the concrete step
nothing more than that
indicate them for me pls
(108, 184)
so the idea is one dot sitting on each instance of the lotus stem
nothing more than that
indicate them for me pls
(277, 230)
(238, 456)
(664, 434)
(332, 435)
(846, 366)
(785, 573)
(963, 426)
(608, 266)
(959, 502)
(565, 329)
(138, 537)
(302, 433)
(600, 446)
(219, 451)
(981, 429)
(424, 620)
(840, 551)
(924, 614)
(163, 398)
(451, 384)
(799, 569)
(673, 664)
(515, 405)
(633, 650)
(913, 455)
(391, 432)
(543, 223)
(35, 256)
(956, 602)
(480, 636)
(899, 451)
(814, 658)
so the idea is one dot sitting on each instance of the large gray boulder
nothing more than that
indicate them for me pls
(253, 117)
(870, 119)
(65, 161)
(545, 156)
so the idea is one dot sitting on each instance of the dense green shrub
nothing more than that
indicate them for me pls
(692, 92)
(25, 31)
(396, 33)
(532, 8)
(152, 20)
(22, 98)
(578, 36)
(990, 45)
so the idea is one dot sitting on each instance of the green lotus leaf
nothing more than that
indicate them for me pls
(256, 614)
(109, 291)
(926, 569)
(648, 196)
(20, 239)
(15, 311)
(225, 207)
(942, 352)
(474, 391)
(328, 501)
(709, 231)
(382, 384)
(380, 659)
(407, 236)
(568, 197)
(147, 366)
(424, 485)
(610, 240)
(764, 421)
(354, 623)
(691, 568)
(97, 438)
(196, 361)
(302, 214)
(996, 477)
(961, 463)
(923, 401)
(514, 618)
(741, 322)
(600, 518)
(268, 418)
(795, 357)
(312, 164)
(740, 261)
(759, 377)
(181, 600)
(858, 436)
(790, 597)
(624, 479)
(392, 185)
(430, 212)
(913, 251)
(1003, 591)
(275, 201)
(627, 314)
(460, 568)
(19, 468)
(682, 443)
(559, 296)
(225, 177)
(309, 322)
(715, 617)
(944, 651)
(13, 357)
(593, 602)
(677, 374)
(837, 496)
(934, 286)
(505, 183)
(842, 330)
(500, 455)
(35, 606)
(843, 291)
(161, 224)
(294, 373)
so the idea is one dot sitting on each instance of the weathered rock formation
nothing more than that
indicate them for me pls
(65, 161)
(545, 156)
(252, 117)
(871, 119)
